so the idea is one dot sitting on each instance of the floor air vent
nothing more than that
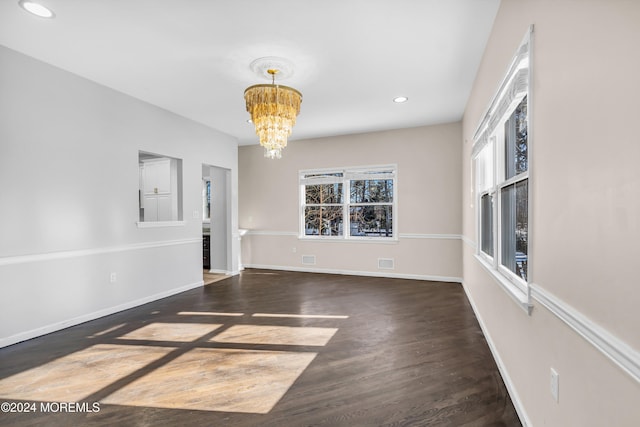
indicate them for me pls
(309, 259)
(385, 263)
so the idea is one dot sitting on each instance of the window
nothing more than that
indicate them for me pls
(160, 188)
(348, 203)
(206, 199)
(501, 159)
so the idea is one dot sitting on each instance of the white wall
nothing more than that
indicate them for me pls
(69, 199)
(428, 217)
(585, 218)
(220, 233)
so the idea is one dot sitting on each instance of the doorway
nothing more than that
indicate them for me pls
(216, 223)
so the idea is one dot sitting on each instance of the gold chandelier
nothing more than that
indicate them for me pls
(273, 110)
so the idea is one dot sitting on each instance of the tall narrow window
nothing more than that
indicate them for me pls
(501, 153)
(206, 199)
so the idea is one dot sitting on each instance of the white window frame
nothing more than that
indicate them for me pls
(349, 174)
(489, 143)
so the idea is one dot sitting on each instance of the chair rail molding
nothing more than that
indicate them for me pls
(611, 346)
(23, 259)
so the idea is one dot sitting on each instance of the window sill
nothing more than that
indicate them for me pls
(160, 224)
(388, 240)
(520, 296)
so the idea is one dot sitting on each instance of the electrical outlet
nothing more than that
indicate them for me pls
(555, 384)
(293, 249)
(196, 214)
(113, 277)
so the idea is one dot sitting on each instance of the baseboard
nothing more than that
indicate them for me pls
(226, 272)
(387, 274)
(515, 398)
(34, 333)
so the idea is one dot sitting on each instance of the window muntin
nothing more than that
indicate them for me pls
(366, 213)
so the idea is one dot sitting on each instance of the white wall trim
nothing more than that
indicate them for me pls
(160, 224)
(614, 348)
(430, 236)
(23, 336)
(341, 240)
(272, 233)
(400, 235)
(358, 273)
(469, 242)
(511, 389)
(23, 259)
(218, 271)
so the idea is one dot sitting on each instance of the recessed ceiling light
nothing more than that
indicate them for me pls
(36, 9)
(400, 99)
(249, 121)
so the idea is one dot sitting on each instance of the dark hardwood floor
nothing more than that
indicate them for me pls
(399, 353)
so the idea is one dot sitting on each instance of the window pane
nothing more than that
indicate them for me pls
(322, 175)
(486, 224)
(484, 167)
(516, 140)
(206, 199)
(371, 221)
(372, 191)
(323, 193)
(323, 221)
(514, 228)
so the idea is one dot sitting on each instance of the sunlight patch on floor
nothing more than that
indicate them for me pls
(209, 278)
(208, 313)
(179, 332)
(301, 316)
(230, 380)
(180, 366)
(74, 377)
(278, 335)
(106, 331)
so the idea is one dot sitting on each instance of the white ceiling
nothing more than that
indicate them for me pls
(351, 57)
